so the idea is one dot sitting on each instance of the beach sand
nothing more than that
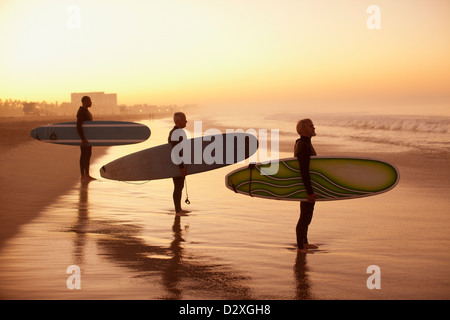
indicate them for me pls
(34, 174)
(129, 244)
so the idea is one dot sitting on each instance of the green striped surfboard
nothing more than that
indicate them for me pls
(332, 178)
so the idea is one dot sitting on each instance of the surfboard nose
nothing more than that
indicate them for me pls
(34, 134)
(147, 133)
(103, 172)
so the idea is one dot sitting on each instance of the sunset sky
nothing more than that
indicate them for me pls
(242, 53)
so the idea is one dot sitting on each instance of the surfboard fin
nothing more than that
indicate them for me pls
(187, 196)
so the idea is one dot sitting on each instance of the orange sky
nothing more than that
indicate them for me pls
(251, 53)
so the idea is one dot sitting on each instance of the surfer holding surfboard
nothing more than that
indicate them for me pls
(180, 121)
(86, 151)
(303, 151)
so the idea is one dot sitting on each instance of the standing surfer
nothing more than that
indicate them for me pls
(86, 151)
(180, 121)
(303, 151)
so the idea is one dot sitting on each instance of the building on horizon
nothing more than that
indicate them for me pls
(103, 103)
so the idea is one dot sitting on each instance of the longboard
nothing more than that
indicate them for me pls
(201, 154)
(98, 133)
(332, 178)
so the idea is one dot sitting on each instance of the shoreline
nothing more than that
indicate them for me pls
(32, 173)
(16, 130)
(32, 177)
(415, 166)
(148, 254)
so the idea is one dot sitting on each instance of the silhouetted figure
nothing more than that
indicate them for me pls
(180, 121)
(303, 151)
(86, 151)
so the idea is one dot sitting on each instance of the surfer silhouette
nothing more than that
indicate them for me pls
(303, 150)
(180, 121)
(86, 151)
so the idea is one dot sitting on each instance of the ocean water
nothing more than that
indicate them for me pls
(128, 243)
(355, 131)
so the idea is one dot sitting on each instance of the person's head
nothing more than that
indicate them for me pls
(179, 118)
(306, 128)
(86, 101)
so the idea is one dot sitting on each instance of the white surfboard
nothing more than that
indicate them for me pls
(199, 155)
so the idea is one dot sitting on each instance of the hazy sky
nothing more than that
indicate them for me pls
(246, 53)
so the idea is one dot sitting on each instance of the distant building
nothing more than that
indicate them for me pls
(102, 103)
(30, 109)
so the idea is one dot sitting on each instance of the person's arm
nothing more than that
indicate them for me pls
(174, 143)
(84, 142)
(303, 157)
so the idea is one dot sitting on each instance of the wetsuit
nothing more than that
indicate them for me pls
(178, 182)
(303, 151)
(86, 152)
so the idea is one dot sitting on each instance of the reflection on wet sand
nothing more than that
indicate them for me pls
(177, 270)
(173, 274)
(303, 287)
(81, 225)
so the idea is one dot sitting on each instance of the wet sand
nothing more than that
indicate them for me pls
(130, 245)
(33, 174)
